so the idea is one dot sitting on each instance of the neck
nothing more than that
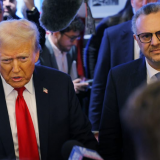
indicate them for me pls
(154, 64)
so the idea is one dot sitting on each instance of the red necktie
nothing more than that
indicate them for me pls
(27, 142)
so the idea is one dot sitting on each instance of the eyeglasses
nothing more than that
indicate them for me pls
(147, 37)
(72, 38)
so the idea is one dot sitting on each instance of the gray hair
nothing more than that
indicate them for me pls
(145, 10)
(15, 33)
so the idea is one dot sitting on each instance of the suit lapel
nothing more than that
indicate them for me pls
(42, 102)
(5, 130)
(52, 59)
(128, 43)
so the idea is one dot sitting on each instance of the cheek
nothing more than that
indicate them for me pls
(5, 68)
(5, 71)
(144, 48)
(28, 68)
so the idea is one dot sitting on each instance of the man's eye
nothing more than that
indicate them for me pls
(6, 60)
(23, 58)
(146, 36)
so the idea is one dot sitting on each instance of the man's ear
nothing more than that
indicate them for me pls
(132, 3)
(37, 56)
(135, 37)
(56, 34)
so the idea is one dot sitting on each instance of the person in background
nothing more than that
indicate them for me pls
(10, 8)
(32, 14)
(60, 52)
(141, 115)
(39, 109)
(117, 47)
(115, 142)
(93, 44)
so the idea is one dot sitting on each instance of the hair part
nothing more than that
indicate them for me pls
(75, 25)
(145, 10)
(15, 33)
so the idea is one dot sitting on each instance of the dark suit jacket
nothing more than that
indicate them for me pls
(47, 57)
(114, 139)
(116, 48)
(60, 117)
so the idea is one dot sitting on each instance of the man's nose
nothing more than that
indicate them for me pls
(15, 67)
(154, 40)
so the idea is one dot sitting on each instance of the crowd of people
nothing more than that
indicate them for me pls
(40, 89)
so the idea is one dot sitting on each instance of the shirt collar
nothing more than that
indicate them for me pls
(150, 70)
(8, 88)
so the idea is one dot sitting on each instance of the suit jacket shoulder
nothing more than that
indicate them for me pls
(116, 29)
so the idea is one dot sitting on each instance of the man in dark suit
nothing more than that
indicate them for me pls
(117, 47)
(114, 139)
(42, 97)
(60, 52)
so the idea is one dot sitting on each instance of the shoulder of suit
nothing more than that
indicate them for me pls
(49, 72)
(129, 65)
(119, 27)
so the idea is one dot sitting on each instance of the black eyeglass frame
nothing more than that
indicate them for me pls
(151, 36)
(72, 38)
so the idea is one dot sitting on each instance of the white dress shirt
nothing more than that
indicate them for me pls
(29, 96)
(61, 58)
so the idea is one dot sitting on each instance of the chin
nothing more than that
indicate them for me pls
(155, 60)
(5, 14)
(17, 84)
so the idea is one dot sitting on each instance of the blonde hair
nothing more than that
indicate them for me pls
(15, 33)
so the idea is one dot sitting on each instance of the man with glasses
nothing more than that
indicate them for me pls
(114, 139)
(60, 52)
(117, 47)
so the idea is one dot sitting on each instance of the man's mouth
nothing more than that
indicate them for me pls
(16, 79)
(155, 50)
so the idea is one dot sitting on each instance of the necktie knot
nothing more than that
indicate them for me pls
(20, 91)
(158, 75)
